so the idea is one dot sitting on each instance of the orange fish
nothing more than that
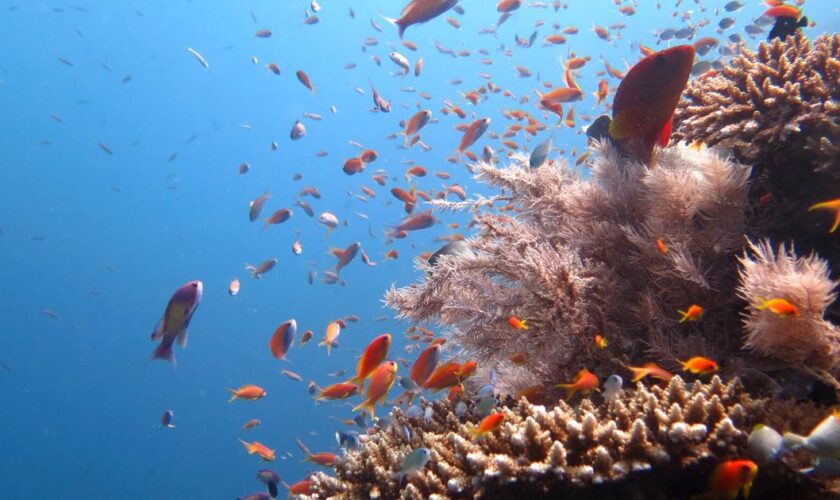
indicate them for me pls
(505, 6)
(731, 477)
(301, 487)
(584, 381)
(444, 377)
(783, 11)
(369, 156)
(466, 370)
(601, 341)
(424, 365)
(645, 101)
(455, 392)
(660, 246)
(333, 331)
(831, 205)
(380, 383)
(374, 354)
(353, 166)
(260, 449)
(304, 79)
(779, 306)
(652, 369)
(693, 313)
(488, 425)
(250, 392)
(233, 288)
(699, 365)
(420, 11)
(416, 123)
(517, 323)
(326, 458)
(341, 390)
(251, 424)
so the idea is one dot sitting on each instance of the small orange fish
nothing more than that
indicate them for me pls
(369, 156)
(779, 306)
(693, 313)
(584, 381)
(380, 383)
(304, 79)
(301, 488)
(517, 323)
(260, 449)
(325, 458)
(333, 331)
(601, 341)
(250, 392)
(455, 391)
(251, 424)
(444, 377)
(660, 246)
(731, 477)
(466, 370)
(374, 354)
(341, 390)
(233, 288)
(652, 369)
(306, 337)
(699, 365)
(488, 425)
(831, 205)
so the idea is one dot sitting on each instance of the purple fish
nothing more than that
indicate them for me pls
(258, 271)
(176, 318)
(346, 256)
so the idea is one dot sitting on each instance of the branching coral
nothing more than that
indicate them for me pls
(784, 96)
(655, 442)
(805, 338)
(579, 256)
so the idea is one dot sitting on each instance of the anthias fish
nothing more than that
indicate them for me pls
(172, 327)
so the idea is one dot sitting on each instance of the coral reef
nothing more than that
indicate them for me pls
(656, 442)
(778, 109)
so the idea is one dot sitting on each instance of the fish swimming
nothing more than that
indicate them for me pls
(645, 102)
(420, 11)
(172, 327)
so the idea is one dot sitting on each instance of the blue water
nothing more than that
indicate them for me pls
(102, 241)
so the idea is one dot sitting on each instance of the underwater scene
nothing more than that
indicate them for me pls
(351, 249)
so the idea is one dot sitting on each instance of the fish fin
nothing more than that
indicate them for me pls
(622, 124)
(232, 397)
(366, 405)
(157, 333)
(181, 339)
(397, 23)
(803, 23)
(164, 351)
(247, 445)
(665, 135)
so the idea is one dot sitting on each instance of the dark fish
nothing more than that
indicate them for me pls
(726, 23)
(347, 440)
(600, 128)
(268, 476)
(453, 248)
(733, 6)
(272, 490)
(786, 26)
(753, 29)
(701, 67)
(166, 419)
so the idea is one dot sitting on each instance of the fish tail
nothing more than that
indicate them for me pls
(233, 396)
(247, 446)
(164, 351)
(524, 324)
(367, 405)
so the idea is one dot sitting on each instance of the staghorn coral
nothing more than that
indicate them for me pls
(784, 96)
(807, 340)
(652, 442)
(579, 256)
(778, 109)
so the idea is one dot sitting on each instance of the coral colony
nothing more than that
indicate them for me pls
(636, 271)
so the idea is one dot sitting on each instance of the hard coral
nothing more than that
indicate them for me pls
(650, 441)
(784, 96)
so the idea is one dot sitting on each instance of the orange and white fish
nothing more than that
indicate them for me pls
(249, 392)
(331, 335)
(699, 365)
(585, 381)
(260, 449)
(380, 383)
(693, 313)
(233, 288)
(372, 357)
(488, 425)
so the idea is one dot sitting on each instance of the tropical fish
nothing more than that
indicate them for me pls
(443, 377)
(652, 369)
(251, 424)
(699, 365)
(379, 102)
(413, 462)
(304, 79)
(584, 381)
(786, 26)
(488, 425)
(260, 449)
(420, 11)
(341, 390)
(255, 207)
(233, 288)
(693, 313)
(325, 458)
(373, 355)
(380, 382)
(518, 324)
(645, 101)
(540, 153)
(781, 307)
(249, 392)
(176, 318)
(764, 443)
(258, 271)
(278, 217)
(822, 442)
(731, 477)
(298, 131)
(612, 386)
(166, 419)
(345, 256)
(331, 335)
(283, 338)
(473, 132)
(831, 205)
(601, 341)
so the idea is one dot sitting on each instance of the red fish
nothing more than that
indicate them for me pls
(304, 79)
(490, 423)
(473, 133)
(380, 383)
(176, 318)
(731, 477)
(282, 339)
(645, 101)
(420, 11)
(374, 354)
